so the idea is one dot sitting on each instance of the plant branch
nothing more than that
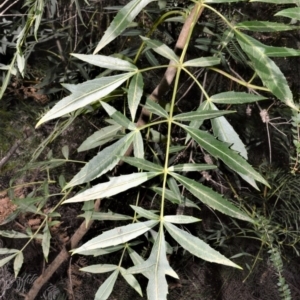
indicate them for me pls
(10, 152)
(171, 71)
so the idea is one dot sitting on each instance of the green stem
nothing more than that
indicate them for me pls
(244, 83)
(170, 119)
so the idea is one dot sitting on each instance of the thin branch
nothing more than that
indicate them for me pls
(170, 73)
(11, 151)
(9, 6)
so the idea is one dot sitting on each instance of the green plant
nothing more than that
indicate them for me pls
(135, 130)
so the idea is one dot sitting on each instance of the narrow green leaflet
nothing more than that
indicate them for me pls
(151, 58)
(116, 236)
(277, 1)
(114, 186)
(138, 145)
(105, 251)
(107, 62)
(123, 18)
(176, 149)
(226, 133)
(135, 92)
(18, 262)
(203, 114)
(264, 26)
(106, 288)
(65, 151)
(268, 71)
(211, 198)
(181, 219)
(142, 164)
(13, 234)
(235, 98)
(191, 168)
(220, 150)
(38, 14)
(11, 70)
(202, 62)
(199, 122)
(197, 247)
(46, 242)
(109, 216)
(104, 161)
(158, 267)
(145, 213)
(100, 268)
(8, 251)
(100, 137)
(281, 52)
(161, 49)
(173, 185)
(84, 94)
(21, 63)
(6, 259)
(118, 117)
(293, 13)
(131, 281)
(137, 260)
(272, 51)
(155, 108)
(222, 1)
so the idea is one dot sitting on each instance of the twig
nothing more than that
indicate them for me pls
(61, 257)
(11, 151)
(2, 12)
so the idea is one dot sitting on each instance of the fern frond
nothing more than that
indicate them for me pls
(283, 287)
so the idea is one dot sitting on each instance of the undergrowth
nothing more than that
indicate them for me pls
(152, 144)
